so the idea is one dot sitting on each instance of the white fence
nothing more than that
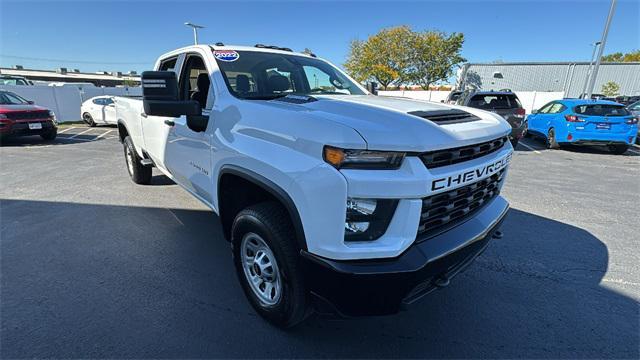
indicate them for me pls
(65, 101)
(530, 99)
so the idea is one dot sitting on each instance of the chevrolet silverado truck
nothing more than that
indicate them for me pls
(333, 199)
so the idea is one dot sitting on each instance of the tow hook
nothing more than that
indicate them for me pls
(442, 281)
(497, 234)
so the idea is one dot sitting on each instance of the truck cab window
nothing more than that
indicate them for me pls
(195, 82)
(168, 64)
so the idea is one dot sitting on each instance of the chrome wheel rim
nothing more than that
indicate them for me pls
(261, 269)
(129, 157)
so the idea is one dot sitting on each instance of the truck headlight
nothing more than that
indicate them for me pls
(362, 159)
(368, 219)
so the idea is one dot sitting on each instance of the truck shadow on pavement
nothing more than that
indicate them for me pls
(85, 280)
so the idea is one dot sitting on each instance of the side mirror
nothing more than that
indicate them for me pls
(30, 102)
(160, 96)
(534, 111)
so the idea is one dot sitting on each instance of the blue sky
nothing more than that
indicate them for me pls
(129, 35)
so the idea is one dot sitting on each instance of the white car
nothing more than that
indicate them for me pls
(330, 196)
(99, 110)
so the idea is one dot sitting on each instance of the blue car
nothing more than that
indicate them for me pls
(584, 122)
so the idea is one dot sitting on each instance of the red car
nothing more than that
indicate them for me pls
(20, 117)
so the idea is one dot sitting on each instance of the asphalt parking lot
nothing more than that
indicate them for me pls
(94, 266)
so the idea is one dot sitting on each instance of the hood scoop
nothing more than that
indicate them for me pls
(446, 117)
(297, 99)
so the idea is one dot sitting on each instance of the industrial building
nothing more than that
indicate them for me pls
(567, 77)
(101, 78)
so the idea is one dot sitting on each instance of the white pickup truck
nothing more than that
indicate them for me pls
(333, 199)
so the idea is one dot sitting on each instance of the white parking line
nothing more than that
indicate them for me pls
(80, 133)
(102, 135)
(634, 151)
(529, 147)
(65, 130)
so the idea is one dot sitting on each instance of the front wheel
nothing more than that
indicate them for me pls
(266, 258)
(139, 173)
(618, 149)
(50, 135)
(87, 118)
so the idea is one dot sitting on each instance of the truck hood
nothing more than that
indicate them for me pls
(385, 122)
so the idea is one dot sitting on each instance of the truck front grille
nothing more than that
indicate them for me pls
(450, 208)
(438, 158)
(27, 115)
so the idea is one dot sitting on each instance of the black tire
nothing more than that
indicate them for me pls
(87, 118)
(139, 173)
(552, 143)
(514, 142)
(618, 149)
(50, 135)
(271, 222)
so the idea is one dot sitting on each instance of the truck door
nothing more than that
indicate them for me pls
(155, 128)
(188, 155)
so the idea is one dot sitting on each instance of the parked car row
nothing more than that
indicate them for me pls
(21, 117)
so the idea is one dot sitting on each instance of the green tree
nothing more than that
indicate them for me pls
(620, 57)
(399, 56)
(383, 57)
(434, 57)
(610, 89)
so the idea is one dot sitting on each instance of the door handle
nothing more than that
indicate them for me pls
(143, 115)
(169, 122)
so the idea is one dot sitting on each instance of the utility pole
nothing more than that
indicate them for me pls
(594, 75)
(586, 79)
(195, 31)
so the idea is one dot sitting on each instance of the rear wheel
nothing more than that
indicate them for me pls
(139, 173)
(265, 255)
(618, 149)
(552, 143)
(50, 135)
(87, 118)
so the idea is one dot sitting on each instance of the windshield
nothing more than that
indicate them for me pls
(8, 98)
(263, 76)
(602, 110)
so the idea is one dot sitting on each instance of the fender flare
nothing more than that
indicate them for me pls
(273, 189)
(119, 123)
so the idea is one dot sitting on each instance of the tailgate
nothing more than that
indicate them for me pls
(614, 124)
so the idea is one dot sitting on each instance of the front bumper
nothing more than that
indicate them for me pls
(382, 286)
(21, 128)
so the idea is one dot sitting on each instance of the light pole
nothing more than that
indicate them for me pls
(195, 31)
(586, 79)
(594, 75)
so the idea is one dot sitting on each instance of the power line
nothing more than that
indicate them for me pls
(74, 61)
